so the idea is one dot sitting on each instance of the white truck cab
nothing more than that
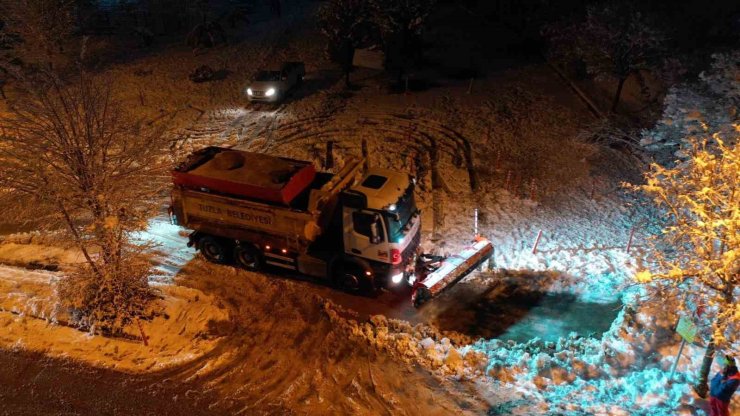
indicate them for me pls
(381, 222)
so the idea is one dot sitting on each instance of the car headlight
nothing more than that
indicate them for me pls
(396, 278)
(270, 92)
(249, 91)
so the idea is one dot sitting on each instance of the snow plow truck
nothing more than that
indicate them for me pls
(360, 230)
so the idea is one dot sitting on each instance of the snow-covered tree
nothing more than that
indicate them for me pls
(705, 107)
(696, 257)
(615, 38)
(72, 155)
(346, 24)
(42, 26)
(401, 24)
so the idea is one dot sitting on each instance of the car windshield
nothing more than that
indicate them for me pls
(399, 219)
(268, 76)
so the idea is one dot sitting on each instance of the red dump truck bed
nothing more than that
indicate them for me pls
(245, 174)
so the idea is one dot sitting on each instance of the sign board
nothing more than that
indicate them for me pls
(368, 59)
(251, 217)
(686, 329)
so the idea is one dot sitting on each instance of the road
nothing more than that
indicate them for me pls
(33, 384)
(278, 353)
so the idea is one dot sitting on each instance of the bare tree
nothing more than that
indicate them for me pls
(71, 154)
(401, 23)
(345, 23)
(43, 27)
(614, 38)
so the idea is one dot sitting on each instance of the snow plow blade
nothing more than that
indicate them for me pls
(451, 270)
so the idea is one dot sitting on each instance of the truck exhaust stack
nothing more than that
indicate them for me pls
(451, 270)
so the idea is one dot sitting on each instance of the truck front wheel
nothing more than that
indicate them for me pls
(247, 257)
(213, 249)
(351, 278)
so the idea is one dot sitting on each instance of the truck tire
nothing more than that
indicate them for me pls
(213, 249)
(247, 257)
(350, 277)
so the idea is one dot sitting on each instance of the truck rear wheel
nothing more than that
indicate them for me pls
(247, 257)
(213, 249)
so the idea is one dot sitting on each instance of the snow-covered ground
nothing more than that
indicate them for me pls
(273, 344)
(184, 328)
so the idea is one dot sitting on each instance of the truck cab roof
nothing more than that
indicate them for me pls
(382, 187)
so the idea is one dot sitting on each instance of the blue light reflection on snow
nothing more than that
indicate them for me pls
(169, 246)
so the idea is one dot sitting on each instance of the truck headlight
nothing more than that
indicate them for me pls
(249, 91)
(270, 92)
(397, 278)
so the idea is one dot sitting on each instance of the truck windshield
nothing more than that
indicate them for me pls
(405, 209)
(268, 76)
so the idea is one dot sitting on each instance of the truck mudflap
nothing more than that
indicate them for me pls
(450, 270)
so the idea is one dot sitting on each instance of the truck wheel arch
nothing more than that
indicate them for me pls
(247, 256)
(341, 265)
(214, 249)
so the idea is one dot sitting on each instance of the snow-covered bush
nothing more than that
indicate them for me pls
(109, 297)
(703, 108)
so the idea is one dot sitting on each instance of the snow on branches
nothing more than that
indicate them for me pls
(72, 156)
(614, 39)
(704, 108)
(696, 258)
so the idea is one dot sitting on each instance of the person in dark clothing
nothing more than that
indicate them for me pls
(722, 388)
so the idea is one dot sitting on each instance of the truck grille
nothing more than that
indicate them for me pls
(408, 253)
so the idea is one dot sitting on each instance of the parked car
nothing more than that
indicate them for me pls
(274, 85)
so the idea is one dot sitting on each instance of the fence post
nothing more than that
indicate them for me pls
(593, 187)
(329, 162)
(629, 243)
(141, 330)
(365, 162)
(537, 242)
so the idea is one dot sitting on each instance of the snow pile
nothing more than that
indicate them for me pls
(622, 373)
(25, 292)
(35, 250)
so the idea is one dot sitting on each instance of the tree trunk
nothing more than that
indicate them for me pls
(348, 55)
(702, 387)
(618, 95)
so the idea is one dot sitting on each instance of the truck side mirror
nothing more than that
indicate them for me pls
(375, 237)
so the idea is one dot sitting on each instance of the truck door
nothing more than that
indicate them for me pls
(365, 235)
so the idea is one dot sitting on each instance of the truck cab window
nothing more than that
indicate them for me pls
(364, 222)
